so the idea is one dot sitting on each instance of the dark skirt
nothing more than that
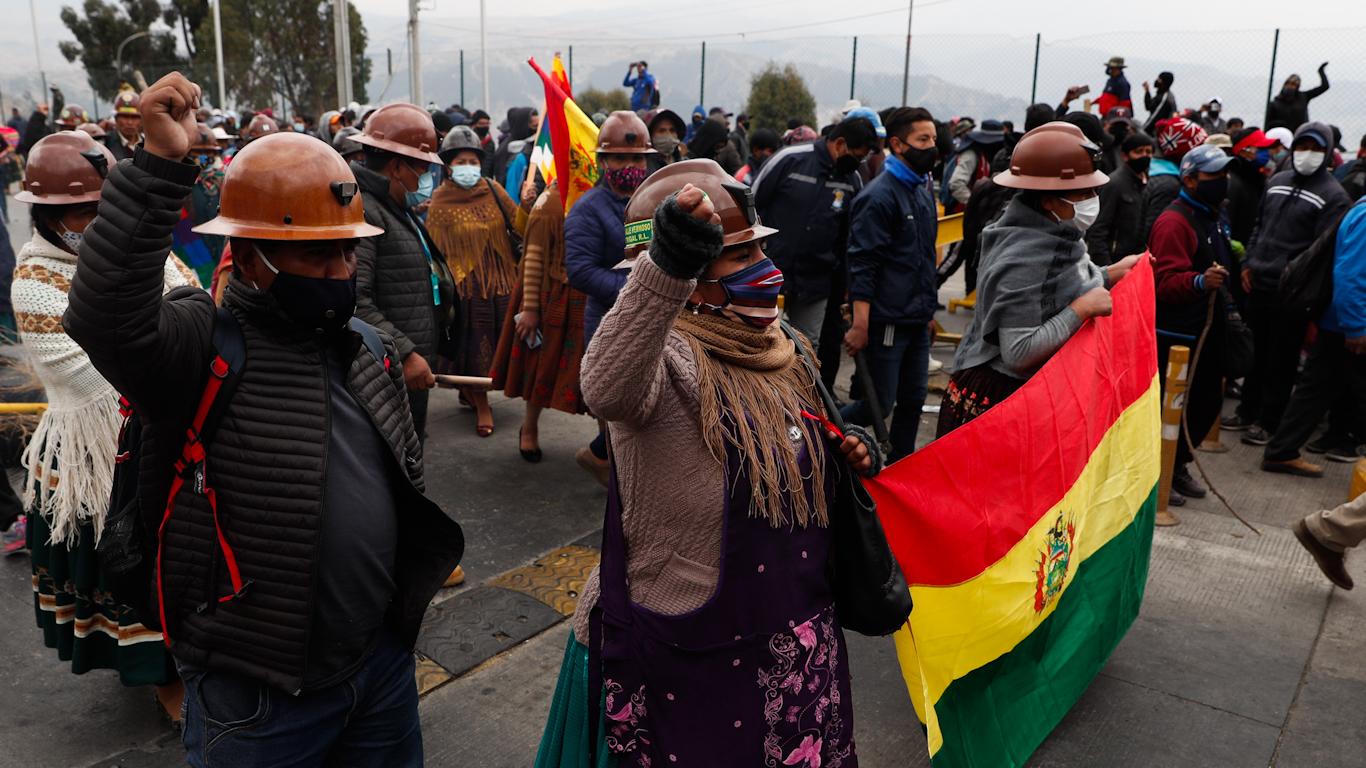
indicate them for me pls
(972, 393)
(82, 621)
(547, 376)
(481, 323)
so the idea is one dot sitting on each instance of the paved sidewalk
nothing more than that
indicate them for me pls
(1243, 654)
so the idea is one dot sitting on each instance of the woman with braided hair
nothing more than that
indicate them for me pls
(717, 535)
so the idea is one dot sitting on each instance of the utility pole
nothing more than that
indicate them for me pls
(853, 68)
(414, 56)
(702, 87)
(906, 68)
(1034, 89)
(462, 79)
(1271, 77)
(341, 18)
(218, 52)
(484, 55)
(38, 53)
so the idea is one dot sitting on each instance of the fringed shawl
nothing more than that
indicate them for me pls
(472, 234)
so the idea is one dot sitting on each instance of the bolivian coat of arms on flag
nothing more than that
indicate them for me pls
(1025, 537)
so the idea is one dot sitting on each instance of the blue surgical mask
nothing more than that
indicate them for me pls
(298, 127)
(1263, 156)
(465, 175)
(423, 193)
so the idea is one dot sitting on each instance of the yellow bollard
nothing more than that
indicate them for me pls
(1358, 480)
(1174, 399)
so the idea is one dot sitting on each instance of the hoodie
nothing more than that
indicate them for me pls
(1294, 211)
(519, 130)
(711, 141)
(1290, 108)
(699, 116)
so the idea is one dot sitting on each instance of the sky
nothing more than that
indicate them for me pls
(539, 27)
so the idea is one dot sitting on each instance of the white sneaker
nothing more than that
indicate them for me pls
(935, 365)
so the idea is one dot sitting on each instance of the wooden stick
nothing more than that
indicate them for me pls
(481, 382)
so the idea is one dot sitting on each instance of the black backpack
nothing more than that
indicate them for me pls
(127, 553)
(1307, 281)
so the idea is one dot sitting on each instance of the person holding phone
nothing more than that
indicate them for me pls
(642, 85)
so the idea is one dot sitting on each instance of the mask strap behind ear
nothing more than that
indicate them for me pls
(262, 254)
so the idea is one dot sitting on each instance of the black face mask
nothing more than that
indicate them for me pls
(1138, 165)
(1212, 192)
(920, 160)
(313, 302)
(846, 165)
(481, 131)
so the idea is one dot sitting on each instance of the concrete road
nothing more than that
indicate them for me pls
(1243, 655)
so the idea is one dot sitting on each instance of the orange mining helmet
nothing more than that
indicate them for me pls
(64, 168)
(1055, 157)
(734, 203)
(404, 129)
(624, 132)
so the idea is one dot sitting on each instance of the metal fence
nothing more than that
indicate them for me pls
(983, 76)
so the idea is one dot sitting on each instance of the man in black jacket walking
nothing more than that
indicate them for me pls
(290, 594)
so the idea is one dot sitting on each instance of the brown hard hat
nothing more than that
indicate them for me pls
(624, 132)
(289, 186)
(260, 125)
(72, 115)
(95, 131)
(127, 103)
(404, 129)
(205, 140)
(1054, 157)
(733, 200)
(64, 168)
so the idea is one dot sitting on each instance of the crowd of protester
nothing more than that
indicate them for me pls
(457, 259)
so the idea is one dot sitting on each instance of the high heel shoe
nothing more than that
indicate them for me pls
(533, 456)
(482, 430)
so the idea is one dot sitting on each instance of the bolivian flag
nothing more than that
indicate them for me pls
(573, 137)
(1025, 537)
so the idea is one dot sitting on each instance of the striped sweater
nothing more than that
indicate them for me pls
(70, 458)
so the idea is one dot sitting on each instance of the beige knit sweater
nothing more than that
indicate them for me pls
(642, 378)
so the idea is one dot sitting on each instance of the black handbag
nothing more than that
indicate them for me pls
(871, 595)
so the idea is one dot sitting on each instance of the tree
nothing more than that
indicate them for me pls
(273, 47)
(105, 26)
(777, 95)
(591, 99)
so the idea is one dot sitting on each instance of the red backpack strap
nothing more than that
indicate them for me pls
(192, 464)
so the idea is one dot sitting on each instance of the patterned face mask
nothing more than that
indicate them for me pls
(72, 239)
(751, 294)
(626, 179)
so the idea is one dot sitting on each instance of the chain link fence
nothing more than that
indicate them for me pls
(982, 76)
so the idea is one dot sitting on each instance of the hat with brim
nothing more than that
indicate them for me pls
(1116, 61)
(990, 132)
(1221, 140)
(1204, 159)
(1255, 139)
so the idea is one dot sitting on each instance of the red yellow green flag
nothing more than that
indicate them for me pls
(1025, 538)
(573, 136)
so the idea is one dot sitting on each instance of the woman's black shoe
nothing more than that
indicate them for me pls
(532, 456)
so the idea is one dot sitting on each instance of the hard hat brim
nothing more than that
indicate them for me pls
(1009, 178)
(28, 197)
(396, 147)
(226, 227)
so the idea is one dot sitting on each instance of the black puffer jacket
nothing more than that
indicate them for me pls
(1117, 231)
(393, 275)
(268, 460)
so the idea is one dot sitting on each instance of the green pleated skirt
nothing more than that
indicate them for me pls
(82, 621)
(566, 739)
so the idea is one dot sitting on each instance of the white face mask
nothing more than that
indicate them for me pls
(1307, 161)
(1084, 214)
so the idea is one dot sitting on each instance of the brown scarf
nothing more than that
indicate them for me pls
(471, 232)
(757, 379)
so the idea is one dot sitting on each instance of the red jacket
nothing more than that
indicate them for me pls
(1181, 296)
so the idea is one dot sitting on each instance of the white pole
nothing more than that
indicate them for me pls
(484, 56)
(37, 52)
(342, 27)
(218, 53)
(414, 56)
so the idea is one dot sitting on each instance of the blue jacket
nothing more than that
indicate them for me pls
(1347, 313)
(642, 89)
(694, 123)
(891, 250)
(594, 242)
(798, 192)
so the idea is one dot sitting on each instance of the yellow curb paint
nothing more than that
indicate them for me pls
(556, 579)
(430, 675)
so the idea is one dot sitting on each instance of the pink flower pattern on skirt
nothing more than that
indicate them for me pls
(801, 694)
